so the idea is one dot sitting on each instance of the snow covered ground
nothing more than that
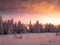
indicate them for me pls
(30, 39)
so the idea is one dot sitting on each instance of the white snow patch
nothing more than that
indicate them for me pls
(30, 39)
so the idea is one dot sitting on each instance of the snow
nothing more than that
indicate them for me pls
(30, 39)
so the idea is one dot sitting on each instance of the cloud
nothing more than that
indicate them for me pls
(29, 5)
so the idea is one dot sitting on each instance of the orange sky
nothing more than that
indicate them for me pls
(43, 18)
(46, 11)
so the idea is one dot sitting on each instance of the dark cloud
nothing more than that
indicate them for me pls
(25, 5)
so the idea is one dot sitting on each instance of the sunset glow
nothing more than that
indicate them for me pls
(42, 17)
(46, 11)
(30, 22)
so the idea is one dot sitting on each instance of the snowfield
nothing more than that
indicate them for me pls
(30, 39)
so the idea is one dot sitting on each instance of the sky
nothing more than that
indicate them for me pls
(46, 11)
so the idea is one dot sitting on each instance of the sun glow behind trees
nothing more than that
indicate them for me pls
(46, 11)
(53, 18)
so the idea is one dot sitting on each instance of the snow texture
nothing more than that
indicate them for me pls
(30, 39)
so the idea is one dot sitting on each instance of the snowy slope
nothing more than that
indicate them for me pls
(31, 39)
